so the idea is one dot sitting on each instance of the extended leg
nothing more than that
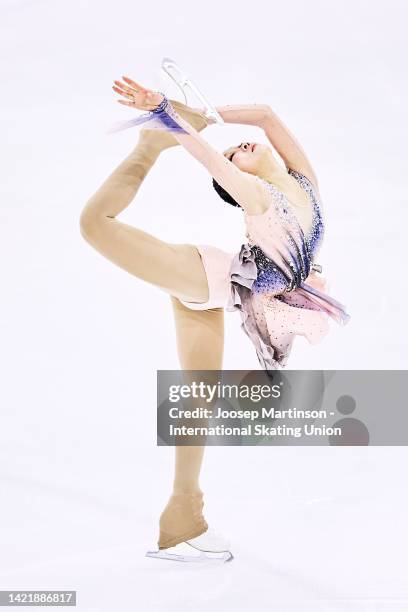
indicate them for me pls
(175, 268)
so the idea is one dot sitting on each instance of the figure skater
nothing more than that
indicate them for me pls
(265, 281)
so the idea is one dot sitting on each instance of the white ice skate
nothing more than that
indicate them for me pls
(174, 71)
(209, 547)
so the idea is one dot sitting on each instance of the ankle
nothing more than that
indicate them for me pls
(187, 490)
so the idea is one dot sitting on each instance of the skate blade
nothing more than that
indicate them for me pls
(174, 71)
(200, 558)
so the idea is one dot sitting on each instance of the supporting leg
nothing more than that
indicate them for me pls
(200, 344)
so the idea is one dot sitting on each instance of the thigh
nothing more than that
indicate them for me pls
(200, 337)
(174, 268)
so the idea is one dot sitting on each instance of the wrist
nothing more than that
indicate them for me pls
(160, 101)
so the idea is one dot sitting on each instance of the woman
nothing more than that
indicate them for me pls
(265, 281)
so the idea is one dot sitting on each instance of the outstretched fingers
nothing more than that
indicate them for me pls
(123, 92)
(135, 85)
(137, 95)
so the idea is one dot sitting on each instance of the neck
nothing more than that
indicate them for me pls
(272, 172)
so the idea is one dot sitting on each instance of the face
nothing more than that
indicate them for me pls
(250, 157)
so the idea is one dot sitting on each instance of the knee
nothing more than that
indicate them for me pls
(88, 224)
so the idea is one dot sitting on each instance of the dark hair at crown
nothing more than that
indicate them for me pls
(224, 194)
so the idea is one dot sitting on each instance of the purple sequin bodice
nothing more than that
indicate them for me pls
(275, 279)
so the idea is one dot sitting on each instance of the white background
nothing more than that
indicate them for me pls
(82, 481)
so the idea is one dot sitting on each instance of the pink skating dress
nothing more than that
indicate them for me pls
(275, 283)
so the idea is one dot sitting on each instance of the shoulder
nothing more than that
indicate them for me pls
(255, 194)
(266, 193)
(305, 176)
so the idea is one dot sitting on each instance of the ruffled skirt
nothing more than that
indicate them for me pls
(272, 320)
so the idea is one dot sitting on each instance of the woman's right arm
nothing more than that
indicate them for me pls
(245, 188)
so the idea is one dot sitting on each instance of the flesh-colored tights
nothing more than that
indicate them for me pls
(175, 268)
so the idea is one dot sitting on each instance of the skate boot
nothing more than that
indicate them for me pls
(183, 527)
(185, 84)
(182, 519)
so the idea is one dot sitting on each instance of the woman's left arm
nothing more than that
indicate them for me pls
(245, 114)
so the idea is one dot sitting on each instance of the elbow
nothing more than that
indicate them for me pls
(267, 115)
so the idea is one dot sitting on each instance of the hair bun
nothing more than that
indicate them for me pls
(224, 195)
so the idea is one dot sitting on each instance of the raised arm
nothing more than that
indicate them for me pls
(275, 130)
(244, 187)
(288, 147)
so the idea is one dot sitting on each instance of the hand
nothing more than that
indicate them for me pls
(136, 95)
(211, 120)
(201, 111)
